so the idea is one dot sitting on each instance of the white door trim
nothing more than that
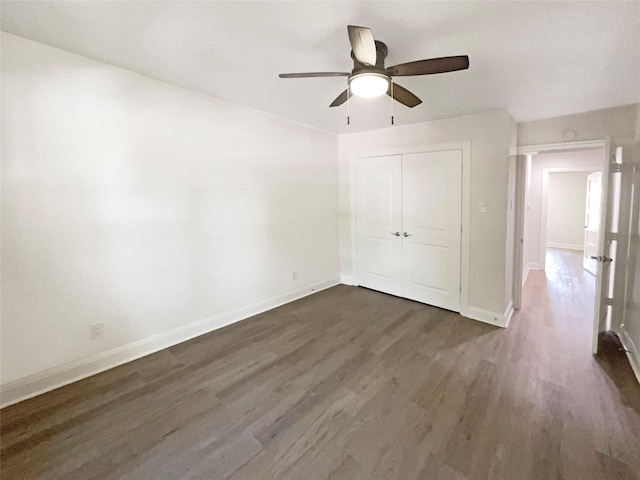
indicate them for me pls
(465, 147)
(560, 147)
(518, 237)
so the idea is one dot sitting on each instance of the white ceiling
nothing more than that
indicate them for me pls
(539, 59)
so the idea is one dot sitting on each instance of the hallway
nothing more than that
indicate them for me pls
(569, 283)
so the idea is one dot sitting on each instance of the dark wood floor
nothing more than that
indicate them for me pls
(352, 384)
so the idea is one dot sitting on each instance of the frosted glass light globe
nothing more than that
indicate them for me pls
(369, 85)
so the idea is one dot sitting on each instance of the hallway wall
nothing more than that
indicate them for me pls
(566, 205)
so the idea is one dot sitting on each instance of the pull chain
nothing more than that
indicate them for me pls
(392, 119)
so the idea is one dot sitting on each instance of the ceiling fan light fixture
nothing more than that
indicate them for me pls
(369, 85)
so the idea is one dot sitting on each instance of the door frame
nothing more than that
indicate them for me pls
(465, 147)
(603, 144)
(518, 236)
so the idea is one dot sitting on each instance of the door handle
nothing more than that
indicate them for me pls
(602, 259)
(405, 234)
(397, 234)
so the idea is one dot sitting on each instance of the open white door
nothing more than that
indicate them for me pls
(606, 258)
(592, 222)
(379, 223)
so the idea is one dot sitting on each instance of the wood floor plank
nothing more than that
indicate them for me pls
(353, 384)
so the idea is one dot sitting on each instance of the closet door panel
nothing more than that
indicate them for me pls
(428, 263)
(432, 206)
(379, 216)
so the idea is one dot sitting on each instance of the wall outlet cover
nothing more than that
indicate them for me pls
(97, 331)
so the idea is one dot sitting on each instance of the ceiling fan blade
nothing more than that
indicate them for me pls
(430, 66)
(341, 98)
(403, 96)
(314, 74)
(362, 44)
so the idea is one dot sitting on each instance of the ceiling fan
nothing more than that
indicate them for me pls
(369, 77)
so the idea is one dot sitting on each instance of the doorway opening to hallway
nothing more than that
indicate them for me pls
(560, 231)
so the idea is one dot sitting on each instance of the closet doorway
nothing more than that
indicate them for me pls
(409, 225)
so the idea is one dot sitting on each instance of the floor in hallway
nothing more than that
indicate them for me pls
(566, 276)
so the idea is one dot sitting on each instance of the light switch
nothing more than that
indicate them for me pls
(482, 207)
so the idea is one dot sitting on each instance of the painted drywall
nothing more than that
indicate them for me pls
(146, 207)
(490, 134)
(566, 205)
(590, 160)
(617, 123)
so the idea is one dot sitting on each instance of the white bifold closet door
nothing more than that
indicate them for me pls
(409, 226)
(379, 223)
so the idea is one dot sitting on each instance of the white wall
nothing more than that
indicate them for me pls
(147, 207)
(566, 205)
(617, 122)
(492, 137)
(533, 251)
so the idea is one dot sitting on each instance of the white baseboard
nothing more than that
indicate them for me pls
(632, 352)
(348, 280)
(492, 318)
(530, 266)
(508, 313)
(38, 383)
(566, 246)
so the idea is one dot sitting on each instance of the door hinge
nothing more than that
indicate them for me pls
(608, 301)
(615, 167)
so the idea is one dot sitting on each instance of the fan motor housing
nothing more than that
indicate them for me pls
(381, 54)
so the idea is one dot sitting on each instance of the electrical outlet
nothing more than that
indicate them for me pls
(482, 207)
(97, 331)
(294, 275)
